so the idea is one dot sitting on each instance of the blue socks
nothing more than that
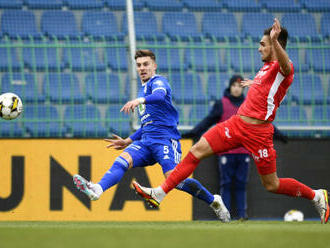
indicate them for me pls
(195, 188)
(114, 174)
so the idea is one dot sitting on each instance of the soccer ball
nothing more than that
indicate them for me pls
(294, 215)
(10, 106)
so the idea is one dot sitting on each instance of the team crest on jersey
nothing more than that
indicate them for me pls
(142, 108)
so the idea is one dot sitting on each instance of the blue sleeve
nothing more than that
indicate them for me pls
(156, 97)
(137, 135)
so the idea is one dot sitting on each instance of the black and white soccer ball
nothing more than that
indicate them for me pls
(11, 106)
(294, 215)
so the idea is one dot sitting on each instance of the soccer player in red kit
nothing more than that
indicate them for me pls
(252, 128)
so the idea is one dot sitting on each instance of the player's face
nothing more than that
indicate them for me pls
(265, 49)
(236, 90)
(146, 67)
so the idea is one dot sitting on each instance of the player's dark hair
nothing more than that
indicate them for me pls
(145, 53)
(282, 38)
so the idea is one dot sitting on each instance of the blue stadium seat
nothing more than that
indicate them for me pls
(85, 4)
(11, 4)
(105, 88)
(58, 23)
(38, 58)
(10, 129)
(321, 115)
(186, 88)
(219, 26)
(180, 26)
(205, 5)
(164, 5)
(143, 31)
(101, 24)
(316, 6)
(84, 121)
(8, 59)
(202, 59)
(301, 27)
(42, 121)
(121, 5)
(254, 24)
(281, 5)
(197, 113)
(308, 89)
(44, 4)
(116, 58)
(245, 59)
(328, 99)
(325, 27)
(319, 59)
(117, 122)
(62, 88)
(182, 119)
(23, 84)
(242, 5)
(299, 63)
(288, 115)
(82, 58)
(216, 84)
(19, 23)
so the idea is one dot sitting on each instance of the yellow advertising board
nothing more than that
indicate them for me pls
(36, 184)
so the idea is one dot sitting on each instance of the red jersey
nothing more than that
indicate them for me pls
(267, 92)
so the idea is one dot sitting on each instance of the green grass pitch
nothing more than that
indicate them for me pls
(202, 234)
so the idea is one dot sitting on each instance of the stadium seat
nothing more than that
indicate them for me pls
(319, 59)
(42, 121)
(143, 31)
(117, 122)
(121, 5)
(39, 58)
(85, 4)
(19, 23)
(301, 27)
(58, 23)
(44, 4)
(182, 119)
(216, 84)
(99, 24)
(288, 115)
(23, 84)
(316, 6)
(297, 59)
(9, 59)
(205, 5)
(321, 115)
(105, 88)
(281, 5)
(116, 58)
(186, 88)
(328, 98)
(84, 121)
(82, 58)
(325, 27)
(10, 129)
(254, 24)
(220, 26)
(308, 89)
(164, 5)
(197, 113)
(242, 5)
(62, 88)
(245, 59)
(180, 26)
(205, 58)
(11, 4)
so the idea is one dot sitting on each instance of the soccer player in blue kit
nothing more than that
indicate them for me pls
(157, 140)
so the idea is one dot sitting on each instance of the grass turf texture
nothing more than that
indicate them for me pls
(202, 234)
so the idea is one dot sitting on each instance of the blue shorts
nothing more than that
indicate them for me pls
(165, 152)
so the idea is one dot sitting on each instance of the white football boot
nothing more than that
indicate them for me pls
(220, 209)
(92, 190)
(322, 205)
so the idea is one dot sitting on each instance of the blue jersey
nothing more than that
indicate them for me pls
(158, 120)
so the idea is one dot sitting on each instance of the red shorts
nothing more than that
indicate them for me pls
(257, 138)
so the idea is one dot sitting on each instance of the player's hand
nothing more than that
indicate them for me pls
(116, 142)
(130, 106)
(276, 30)
(246, 83)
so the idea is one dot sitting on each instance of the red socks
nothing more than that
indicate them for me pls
(291, 187)
(180, 172)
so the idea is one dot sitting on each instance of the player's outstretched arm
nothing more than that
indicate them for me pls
(282, 56)
(131, 105)
(118, 142)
